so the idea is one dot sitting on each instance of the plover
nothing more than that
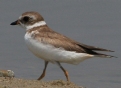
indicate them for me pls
(53, 47)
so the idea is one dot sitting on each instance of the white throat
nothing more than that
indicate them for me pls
(40, 23)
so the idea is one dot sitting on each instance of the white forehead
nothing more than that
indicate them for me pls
(20, 17)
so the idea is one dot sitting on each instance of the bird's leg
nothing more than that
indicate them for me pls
(65, 72)
(44, 71)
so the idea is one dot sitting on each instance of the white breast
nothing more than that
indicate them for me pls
(50, 53)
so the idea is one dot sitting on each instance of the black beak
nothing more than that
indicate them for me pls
(15, 23)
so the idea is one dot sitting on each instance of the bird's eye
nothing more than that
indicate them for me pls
(26, 18)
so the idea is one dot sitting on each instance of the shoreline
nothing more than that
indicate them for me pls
(25, 83)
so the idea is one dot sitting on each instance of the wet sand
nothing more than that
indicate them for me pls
(24, 83)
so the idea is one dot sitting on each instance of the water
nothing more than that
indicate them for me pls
(92, 22)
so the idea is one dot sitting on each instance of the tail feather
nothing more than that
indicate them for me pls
(92, 50)
(95, 48)
(104, 55)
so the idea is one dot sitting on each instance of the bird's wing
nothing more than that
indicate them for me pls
(61, 41)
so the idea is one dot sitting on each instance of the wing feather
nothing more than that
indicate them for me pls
(60, 41)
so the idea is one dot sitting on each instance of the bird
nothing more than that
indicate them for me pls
(52, 46)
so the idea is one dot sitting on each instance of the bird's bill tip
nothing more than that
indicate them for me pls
(15, 22)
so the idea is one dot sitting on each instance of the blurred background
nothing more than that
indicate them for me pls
(92, 22)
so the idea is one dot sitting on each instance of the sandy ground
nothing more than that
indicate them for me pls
(23, 83)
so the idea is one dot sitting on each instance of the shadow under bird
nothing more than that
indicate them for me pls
(53, 47)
